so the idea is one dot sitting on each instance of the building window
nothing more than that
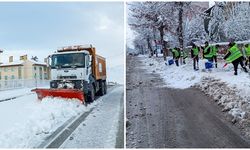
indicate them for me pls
(35, 68)
(19, 73)
(40, 73)
(12, 69)
(12, 77)
(45, 76)
(6, 77)
(5, 69)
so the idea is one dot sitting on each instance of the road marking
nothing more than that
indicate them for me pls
(64, 134)
(56, 139)
(11, 98)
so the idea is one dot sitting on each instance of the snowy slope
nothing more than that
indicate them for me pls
(26, 121)
(232, 92)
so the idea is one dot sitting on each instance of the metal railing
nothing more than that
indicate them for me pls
(26, 83)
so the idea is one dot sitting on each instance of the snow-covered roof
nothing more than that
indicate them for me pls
(38, 62)
(20, 62)
(11, 64)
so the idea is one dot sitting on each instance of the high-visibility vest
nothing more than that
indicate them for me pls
(176, 53)
(195, 51)
(235, 54)
(247, 50)
(210, 54)
(183, 54)
(215, 50)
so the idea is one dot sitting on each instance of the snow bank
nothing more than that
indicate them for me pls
(231, 92)
(176, 77)
(36, 119)
(225, 96)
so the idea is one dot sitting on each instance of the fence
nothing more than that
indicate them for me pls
(14, 84)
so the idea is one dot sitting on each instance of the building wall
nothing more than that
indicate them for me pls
(28, 70)
(9, 72)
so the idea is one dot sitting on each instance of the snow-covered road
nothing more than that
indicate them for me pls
(26, 121)
(100, 128)
(228, 91)
(163, 117)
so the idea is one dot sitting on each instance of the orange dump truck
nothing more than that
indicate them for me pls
(76, 72)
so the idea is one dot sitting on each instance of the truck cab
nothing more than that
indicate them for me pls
(78, 67)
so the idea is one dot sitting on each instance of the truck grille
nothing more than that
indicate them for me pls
(67, 77)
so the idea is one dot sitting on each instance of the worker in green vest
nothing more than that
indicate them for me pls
(183, 56)
(215, 51)
(176, 55)
(208, 52)
(247, 53)
(195, 56)
(235, 57)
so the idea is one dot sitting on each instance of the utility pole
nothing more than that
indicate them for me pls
(1, 51)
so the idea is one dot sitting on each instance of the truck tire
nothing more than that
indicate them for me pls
(102, 90)
(105, 87)
(91, 94)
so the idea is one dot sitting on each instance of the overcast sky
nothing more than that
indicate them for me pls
(38, 29)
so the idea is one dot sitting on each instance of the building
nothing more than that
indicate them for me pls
(23, 72)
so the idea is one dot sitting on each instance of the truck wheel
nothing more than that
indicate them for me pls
(91, 94)
(105, 87)
(102, 90)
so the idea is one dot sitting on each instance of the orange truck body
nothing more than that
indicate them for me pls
(98, 62)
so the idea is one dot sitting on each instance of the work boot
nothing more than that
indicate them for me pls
(216, 65)
(245, 69)
(235, 73)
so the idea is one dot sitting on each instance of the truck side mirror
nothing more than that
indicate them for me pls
(49, 60)
(90, 60)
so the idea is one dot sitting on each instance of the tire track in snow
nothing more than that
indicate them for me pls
(56, 139)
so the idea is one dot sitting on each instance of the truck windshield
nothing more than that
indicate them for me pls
(72, 60)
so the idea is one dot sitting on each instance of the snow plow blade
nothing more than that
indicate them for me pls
(63, 93)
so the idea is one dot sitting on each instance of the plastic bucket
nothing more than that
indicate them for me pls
(208, 65)
(170, 62)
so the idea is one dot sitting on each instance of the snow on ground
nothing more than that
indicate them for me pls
(16, 92)
(231, 92)
(100, 128)
(26, 121)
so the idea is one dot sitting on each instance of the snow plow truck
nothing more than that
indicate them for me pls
(76, 72)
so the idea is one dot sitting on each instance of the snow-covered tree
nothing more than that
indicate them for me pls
(161, 21)
(237, 26)
(229, 20)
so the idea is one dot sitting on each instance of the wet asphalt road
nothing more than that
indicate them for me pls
(160, 117)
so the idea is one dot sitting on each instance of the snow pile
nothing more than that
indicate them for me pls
(231, 92)
(226, 97)
(176, 77)
(43, 118)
